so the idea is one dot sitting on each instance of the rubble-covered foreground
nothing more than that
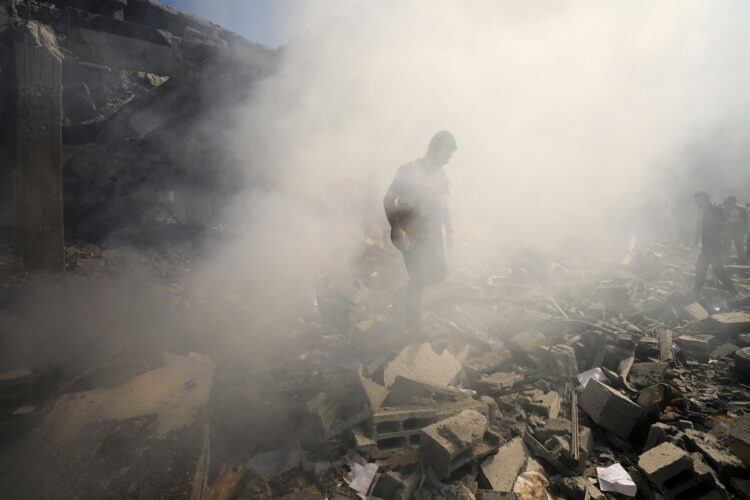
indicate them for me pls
(568, 383)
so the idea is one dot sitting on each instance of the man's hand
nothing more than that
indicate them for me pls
(399, 238)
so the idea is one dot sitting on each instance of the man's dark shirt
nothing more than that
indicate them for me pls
(712, 227)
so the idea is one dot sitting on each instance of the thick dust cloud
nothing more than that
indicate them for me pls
(571, 120)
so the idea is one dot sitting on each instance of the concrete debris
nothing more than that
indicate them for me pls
(610, 409)
(499, 472)
(498, 382)
(486, 363)
(695, 311)
(739, 439)
(696, 346)
(742, 361)
(446, 445)
(421, 362)
(546, 404)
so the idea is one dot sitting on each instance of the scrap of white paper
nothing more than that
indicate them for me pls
(363, 478)
(615, 478)
(595, 373)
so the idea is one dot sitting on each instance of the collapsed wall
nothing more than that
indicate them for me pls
(113, 112)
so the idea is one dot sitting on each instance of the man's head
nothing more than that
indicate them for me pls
(441, 148)
(730, 201)
(702, 199)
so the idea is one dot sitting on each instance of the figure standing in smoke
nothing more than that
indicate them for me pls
(416, 205)
(737, 225)
(713, 234)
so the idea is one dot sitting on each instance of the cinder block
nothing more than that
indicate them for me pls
(664, 462)
(610, 409)
(446, 440)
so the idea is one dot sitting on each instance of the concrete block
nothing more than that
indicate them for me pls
(720, 459)
(499, 471)
(444, 441)
(729, 323)
(421, 362)
(486, 363)
(396, 430)
(663, 463)
(546, 404)
(695, 311)
(742, 361)
(492, 406)
(498, 382)
(696, 346)
(739, 439)
(724, 350)
(610, 409)
(405, 390)
(658, 434)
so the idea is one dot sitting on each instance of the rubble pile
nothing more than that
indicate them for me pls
(546, 389)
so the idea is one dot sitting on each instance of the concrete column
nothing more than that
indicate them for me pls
(38, 154)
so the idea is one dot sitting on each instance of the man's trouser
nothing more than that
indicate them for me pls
(714, 259)
(425, 262)
(736, 237)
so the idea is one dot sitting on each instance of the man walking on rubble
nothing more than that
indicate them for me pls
(713, 233)
(416, 206)
(736, 217)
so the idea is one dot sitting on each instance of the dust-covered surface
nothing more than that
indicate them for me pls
(229, 321)
(264, 394)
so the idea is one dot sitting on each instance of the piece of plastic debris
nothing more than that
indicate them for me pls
(595, 373)
(615, 478)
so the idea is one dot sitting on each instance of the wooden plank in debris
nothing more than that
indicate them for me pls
(665, 345)
(225, 483)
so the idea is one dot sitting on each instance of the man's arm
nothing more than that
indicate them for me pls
(394, 216)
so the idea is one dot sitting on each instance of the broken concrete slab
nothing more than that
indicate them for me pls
(664, 462)
(742, 361)
(441, 443)
(498, 382)
(724, 350)
(719, 457)
(421, 362)
(127, 433)
(486, 363)
(546, 404)
(696, 346)
(739, 439)
(340, 410)
(729, 323)
(405, 390)
(694, 311)
(499, 471)
(610, 409)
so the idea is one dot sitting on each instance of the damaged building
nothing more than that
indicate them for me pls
(111, 119)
